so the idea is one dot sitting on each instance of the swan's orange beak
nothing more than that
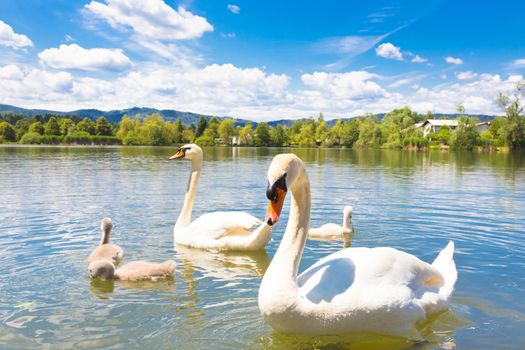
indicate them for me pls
(275, 207)
(180, 154)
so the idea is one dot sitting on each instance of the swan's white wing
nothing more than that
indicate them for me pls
(369, 278)
(222, 223)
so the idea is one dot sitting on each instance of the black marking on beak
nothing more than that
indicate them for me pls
(271, 190)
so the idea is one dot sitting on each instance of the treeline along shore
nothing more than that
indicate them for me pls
(400, 128)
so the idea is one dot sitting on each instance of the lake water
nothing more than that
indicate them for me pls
(53, 199)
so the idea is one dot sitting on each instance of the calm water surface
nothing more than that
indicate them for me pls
(53, 199)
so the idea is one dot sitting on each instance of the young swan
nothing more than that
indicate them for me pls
(106, 250)
(334, 231)
(133, 271)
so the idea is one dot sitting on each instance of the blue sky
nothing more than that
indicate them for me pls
(261, 60)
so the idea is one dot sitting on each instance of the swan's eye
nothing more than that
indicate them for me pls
(271, 193)
(271, 190)
(281, 183)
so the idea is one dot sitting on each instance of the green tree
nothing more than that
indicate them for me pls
(262, 135)
(279, 136)
(22, 126)
(337, 132)
(127, 126)
(36, 128)
(179, 132)
(205, 140)
(31, 138)
(497, 131)
(514, 131)
(226, 130)
(7, 132)
(351, 132)
(246, 135)
(201, 126)
(443, 135)
(65, 125)
(322, 134)
(187, 136)
(306, 137)
(86, 125)
(293, 132)
(52, 127)
(366, 132)
(213, 127)
(103, 127)
(152, 131)
(466, 134)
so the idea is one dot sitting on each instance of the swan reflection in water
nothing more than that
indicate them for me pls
(437, 332)
(224, 266)
(100, 287)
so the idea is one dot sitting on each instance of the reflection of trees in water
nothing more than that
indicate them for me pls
(395, 162)
(190, 301)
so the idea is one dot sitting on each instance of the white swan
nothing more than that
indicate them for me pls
(377, 290)
(106, 250)
(132, 271)
(224, 230)
(333, 231)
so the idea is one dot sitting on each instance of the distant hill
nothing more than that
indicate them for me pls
(187, 118)
(115, 116)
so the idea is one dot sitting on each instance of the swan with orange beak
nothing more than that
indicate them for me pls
(220, 230)
(373, 290)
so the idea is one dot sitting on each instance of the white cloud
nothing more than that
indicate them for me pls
(11, 72)
(37, 80)
(418, 59)
(234, 9)
(453, 60)
(76, 57)
(9, 38)
(467, 75)
(520, 62)
(401, 82)
(477, 96)
(356, 84)
(250, 93)
(151, 18)
(389, 51)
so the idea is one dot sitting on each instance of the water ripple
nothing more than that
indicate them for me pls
(52, 201)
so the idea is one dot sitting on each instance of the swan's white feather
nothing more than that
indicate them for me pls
(330, 230)
(377, 290)
(222, 230)
(222, 223)
(380, 290)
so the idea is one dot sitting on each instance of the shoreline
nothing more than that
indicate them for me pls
(442, 149)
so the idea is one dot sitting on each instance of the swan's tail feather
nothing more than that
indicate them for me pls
(444, 263)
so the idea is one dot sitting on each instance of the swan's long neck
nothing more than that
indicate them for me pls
(185, 215)
(105, 237)
(347, 218)
(280, 280)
